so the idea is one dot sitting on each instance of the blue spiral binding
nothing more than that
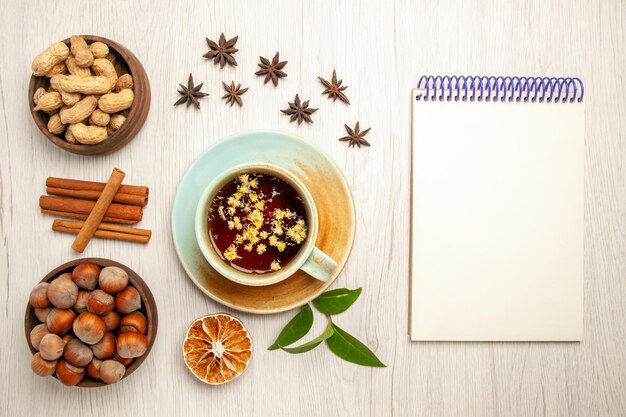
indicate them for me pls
(490, 88)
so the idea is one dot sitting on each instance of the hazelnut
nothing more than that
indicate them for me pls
(81, 301)
(69, 375)
(42, 313)
(123, 361)
(67, 338)
(93, 368)
(134, 322)
(100, 302)
(105, 348)
(42, 367)
(86, 275)
(89, 328)
(39, 296)
(113, 279)
(128, 300)
(131, 345)
(62, 292)
(37, 333)
(111, 371)
(77, 353)
(111, 320)
(51, 347)
(60, 321)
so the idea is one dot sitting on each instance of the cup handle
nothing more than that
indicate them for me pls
(319, 265)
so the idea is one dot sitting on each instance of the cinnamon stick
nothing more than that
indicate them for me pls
(82, 208)
(70, 184)
(105, 231)
(122, 198)
(99, 210)
(84, 217)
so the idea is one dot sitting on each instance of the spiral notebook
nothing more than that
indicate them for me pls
(497, 209)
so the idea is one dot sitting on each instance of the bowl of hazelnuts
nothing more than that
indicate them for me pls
(90, 322)
(88, 95)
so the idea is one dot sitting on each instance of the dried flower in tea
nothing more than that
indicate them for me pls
(257, 223)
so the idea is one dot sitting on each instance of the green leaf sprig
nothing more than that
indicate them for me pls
(340, 342)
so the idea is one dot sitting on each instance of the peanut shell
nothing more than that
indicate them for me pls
(99, 49)
(52, 55)
(59, 68)
(55, 126)
(80, 111)
(124, 82)
(74, 69)
(94, 84)
(81, 51)
(49, 101)
(116, 102)
(99, 118)
(88, 135)
(103, 67)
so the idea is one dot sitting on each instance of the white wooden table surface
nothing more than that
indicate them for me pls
(379, 48)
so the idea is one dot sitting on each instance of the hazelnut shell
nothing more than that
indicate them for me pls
(112, 371)
(86, 275)
(77, 353)
(81, 301)
(39, 296)
(128, 300)
(63, 292)
(113, 279)
(51, 347)
(134, 322)
(131, 345)
(42, 313)
(123, 361)
(111, 320)
(93, 368)
(42, 367)
(89, 328)
(60, 321)
(68, 374)
(106, 347)
(37, 333)
(100, 302)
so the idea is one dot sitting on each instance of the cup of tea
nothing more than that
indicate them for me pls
(257, 224)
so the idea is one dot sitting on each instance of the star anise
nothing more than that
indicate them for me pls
(233, 93)
(334, 88)
(356, 137)
(222, 53)
(271, 70)
(299, 111)
(191, 93)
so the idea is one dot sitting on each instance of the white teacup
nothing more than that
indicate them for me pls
(309, 258)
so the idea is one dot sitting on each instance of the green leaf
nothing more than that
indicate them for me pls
(295, 329)
(348, 348)
(336, 301)
(313, 343)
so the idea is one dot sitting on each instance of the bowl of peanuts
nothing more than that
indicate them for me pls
(88, 95)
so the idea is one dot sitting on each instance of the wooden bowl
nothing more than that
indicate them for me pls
(125, 63)
(148, 309)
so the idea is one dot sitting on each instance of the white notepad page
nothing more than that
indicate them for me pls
(497, 221)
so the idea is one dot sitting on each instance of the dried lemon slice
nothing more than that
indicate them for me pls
(217, 348)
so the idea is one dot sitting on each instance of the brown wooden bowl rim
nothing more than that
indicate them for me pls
(137, 71)
(140, 285)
